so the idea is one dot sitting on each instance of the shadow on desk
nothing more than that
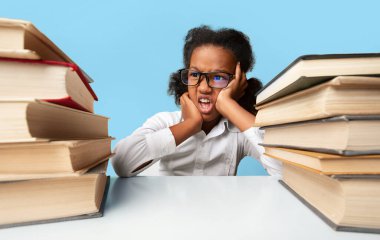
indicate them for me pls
(125, 192)
(119, 193)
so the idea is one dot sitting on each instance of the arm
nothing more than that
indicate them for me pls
(253, 136)
(157, 138)
(227, 105)
(192, 120)
(244, 120)
(145, 146)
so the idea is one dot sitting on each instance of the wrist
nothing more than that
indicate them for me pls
(222, 105)
(193, 125)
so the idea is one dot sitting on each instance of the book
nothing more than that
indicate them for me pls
(36, 120)
(28, 159)
(53, 199)
(346, 203)
(343, 135)
(327, 164)
(343, 95)
(21, 39)
(56, 82)
(309, 70)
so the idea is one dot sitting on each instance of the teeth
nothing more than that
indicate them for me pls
(204, 100)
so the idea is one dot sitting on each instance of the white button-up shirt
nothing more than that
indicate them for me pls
(217, 153)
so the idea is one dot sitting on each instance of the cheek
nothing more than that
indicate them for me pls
(192, 93)
(216, 93)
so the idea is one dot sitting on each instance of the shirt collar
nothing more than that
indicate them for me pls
(222, 126)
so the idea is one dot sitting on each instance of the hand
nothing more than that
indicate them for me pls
(235, 89)
(190, 112)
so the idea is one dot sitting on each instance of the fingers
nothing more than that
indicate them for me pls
(238, 71)
(185, 100)
(239, 75)
(181, 100)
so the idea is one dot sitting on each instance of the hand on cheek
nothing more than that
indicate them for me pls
(190, 112)
(235, 89)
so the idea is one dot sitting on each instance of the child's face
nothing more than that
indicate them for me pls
(209, 58)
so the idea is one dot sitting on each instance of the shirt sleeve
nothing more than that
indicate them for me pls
(146, 144)
(254, 136)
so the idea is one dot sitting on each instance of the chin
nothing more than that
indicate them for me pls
(210, 117)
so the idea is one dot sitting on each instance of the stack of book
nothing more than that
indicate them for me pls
(53, 149)
(321, 117)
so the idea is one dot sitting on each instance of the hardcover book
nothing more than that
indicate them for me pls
(343, 135)
(346, 203)
(56, 82)
(309, 70)
(327, 164)
(26, 160)
(344, 95)
(53, 199)
(22, 121)
(21, 39)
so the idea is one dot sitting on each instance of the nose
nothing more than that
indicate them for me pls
(203, 85)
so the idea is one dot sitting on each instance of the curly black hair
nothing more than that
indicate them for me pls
(230, 39)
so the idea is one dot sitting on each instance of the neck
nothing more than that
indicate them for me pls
(207, 126)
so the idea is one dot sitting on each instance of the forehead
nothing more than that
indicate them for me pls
(209, 58)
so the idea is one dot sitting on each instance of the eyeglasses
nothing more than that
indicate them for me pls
(214, 79)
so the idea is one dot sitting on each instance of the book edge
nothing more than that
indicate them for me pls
(324, 150)
(32, 29)
(100, 213)
(82, 75)
(334, 226)
(337, 118)
(311, 57)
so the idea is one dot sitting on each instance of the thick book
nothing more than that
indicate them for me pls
(56, 82)
(21, 39)
(344, 135)
(345, 203)
(309, 70)
(32, 159)
(343, 95)
(327, 164)
(22, 121)
(53, 199)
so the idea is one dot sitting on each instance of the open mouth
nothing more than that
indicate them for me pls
(205, 105)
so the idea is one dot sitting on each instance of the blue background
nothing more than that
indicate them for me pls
(131, 47)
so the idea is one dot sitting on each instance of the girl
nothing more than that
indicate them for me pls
(213, 131)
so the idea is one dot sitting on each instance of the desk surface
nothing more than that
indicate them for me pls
(193, 208)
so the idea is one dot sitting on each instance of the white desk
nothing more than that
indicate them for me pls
(193, 208)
